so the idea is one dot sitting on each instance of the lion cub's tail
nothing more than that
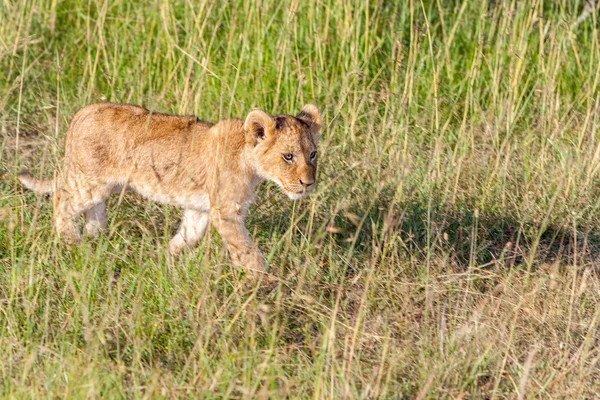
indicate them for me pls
(41, 186)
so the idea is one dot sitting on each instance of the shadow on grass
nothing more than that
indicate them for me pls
(479, 238)
(465, 236)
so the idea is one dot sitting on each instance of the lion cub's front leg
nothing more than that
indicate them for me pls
(229, 222)
(192, 228)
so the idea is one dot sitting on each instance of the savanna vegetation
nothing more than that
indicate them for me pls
(450, 250)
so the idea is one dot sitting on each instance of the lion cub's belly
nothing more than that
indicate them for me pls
(197, 200)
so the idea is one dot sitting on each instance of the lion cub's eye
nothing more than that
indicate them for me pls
(313, 154)
(288, 157)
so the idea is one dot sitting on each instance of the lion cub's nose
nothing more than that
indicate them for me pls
(308, 183)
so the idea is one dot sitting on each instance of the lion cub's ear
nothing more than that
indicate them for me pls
(311, 115)
(258, 126)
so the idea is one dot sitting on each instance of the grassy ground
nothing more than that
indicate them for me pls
(451, 249)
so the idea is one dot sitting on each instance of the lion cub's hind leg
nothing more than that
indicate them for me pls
(66, 211)
(73, 201)
(96, 220)
(192, 228)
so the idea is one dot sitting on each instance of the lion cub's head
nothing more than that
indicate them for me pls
(285, 148)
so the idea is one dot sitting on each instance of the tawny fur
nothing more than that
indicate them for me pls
(210, 170)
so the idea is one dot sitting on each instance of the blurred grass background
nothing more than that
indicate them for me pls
(451, 249)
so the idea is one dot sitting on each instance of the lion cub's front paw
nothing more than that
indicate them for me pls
(71, 239)
(176, 245)
(253, 260)
(255, 274)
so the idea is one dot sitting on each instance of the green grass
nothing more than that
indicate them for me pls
(451, 249)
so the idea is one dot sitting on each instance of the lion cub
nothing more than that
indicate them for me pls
(210, 170)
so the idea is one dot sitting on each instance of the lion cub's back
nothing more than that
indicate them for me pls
(109, 134)
(111, 118)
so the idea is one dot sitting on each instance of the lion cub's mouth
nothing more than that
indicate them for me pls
(297, 195)
(293, 193)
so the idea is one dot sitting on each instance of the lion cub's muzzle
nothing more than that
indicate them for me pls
(300, 189)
